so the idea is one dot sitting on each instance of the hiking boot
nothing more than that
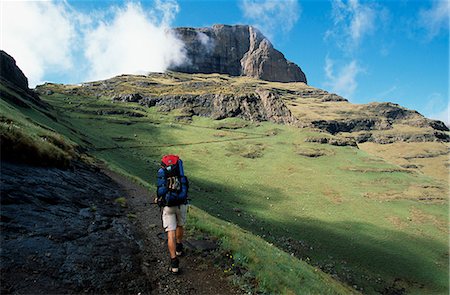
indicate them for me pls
(179, 249)
(174, 265)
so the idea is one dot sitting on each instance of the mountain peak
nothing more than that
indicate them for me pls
(236, 50)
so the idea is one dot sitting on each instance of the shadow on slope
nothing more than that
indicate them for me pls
(374, 258)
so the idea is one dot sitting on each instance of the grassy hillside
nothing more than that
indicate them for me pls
(370, 223)
(39, 135)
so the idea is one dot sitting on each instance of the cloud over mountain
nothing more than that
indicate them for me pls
(342, 80)
(46, 37)
(40, 35)
(353, 21)
(134, 41)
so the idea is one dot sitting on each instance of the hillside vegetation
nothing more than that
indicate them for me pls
(374, 220)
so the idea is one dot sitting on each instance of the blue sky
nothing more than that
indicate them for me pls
(366, 51)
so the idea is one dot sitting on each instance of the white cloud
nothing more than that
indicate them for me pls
(443, 115)
(352, 21)
(39, 35)
(342, 81)
(132, 43)
(50, 37)
(270, 16)
(436, 18)
(438, 108)
(206, 41)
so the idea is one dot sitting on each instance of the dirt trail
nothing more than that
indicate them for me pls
(198, 274)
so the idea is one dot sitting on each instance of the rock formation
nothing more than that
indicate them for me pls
(62, 232)
(10, 72)
(262, 105)
(382, 116)
(12, 77)
(235, 50)
(220, 97)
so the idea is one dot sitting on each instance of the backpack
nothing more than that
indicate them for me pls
(172, 183)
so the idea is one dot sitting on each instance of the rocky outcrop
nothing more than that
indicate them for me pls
(338, 141)
(11, 73)
(395, 113)
(235, 50)
(390, 111)
(386, 138)
(262, 105)
(275, 109)
(382, 116)
(12, 77)
(63, 232)
(132, 97)
(352, 125)
(323, 95)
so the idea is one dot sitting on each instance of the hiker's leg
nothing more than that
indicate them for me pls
(179, 234)
(181, 220)
(170, 225)
(171, 243)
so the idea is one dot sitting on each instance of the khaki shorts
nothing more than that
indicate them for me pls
(173, 217)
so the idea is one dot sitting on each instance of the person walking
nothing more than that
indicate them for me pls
(172, 197)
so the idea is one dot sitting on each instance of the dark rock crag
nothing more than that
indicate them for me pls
(63, 232)
(13, 78)
(235, 50)
(11, 73)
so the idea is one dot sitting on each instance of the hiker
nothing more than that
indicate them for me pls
(172, 198)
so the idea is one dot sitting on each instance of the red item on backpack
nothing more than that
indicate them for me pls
(169, 160)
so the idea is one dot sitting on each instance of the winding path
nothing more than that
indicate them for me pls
(198, 275)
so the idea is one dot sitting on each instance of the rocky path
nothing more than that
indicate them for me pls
(198, 275)
(93, 232)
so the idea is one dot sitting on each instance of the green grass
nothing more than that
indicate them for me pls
(122, 201)
(26, 137)
(319, 201)
(335, 211)
(277, 271)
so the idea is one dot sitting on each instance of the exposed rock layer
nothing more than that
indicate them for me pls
(295, 104)
(235, 50)
(380, 116)
(262, 105)
(62, 232)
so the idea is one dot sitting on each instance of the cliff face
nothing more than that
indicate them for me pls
(262, 105)
(235, 50)
(11, 73)
(12, 77)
